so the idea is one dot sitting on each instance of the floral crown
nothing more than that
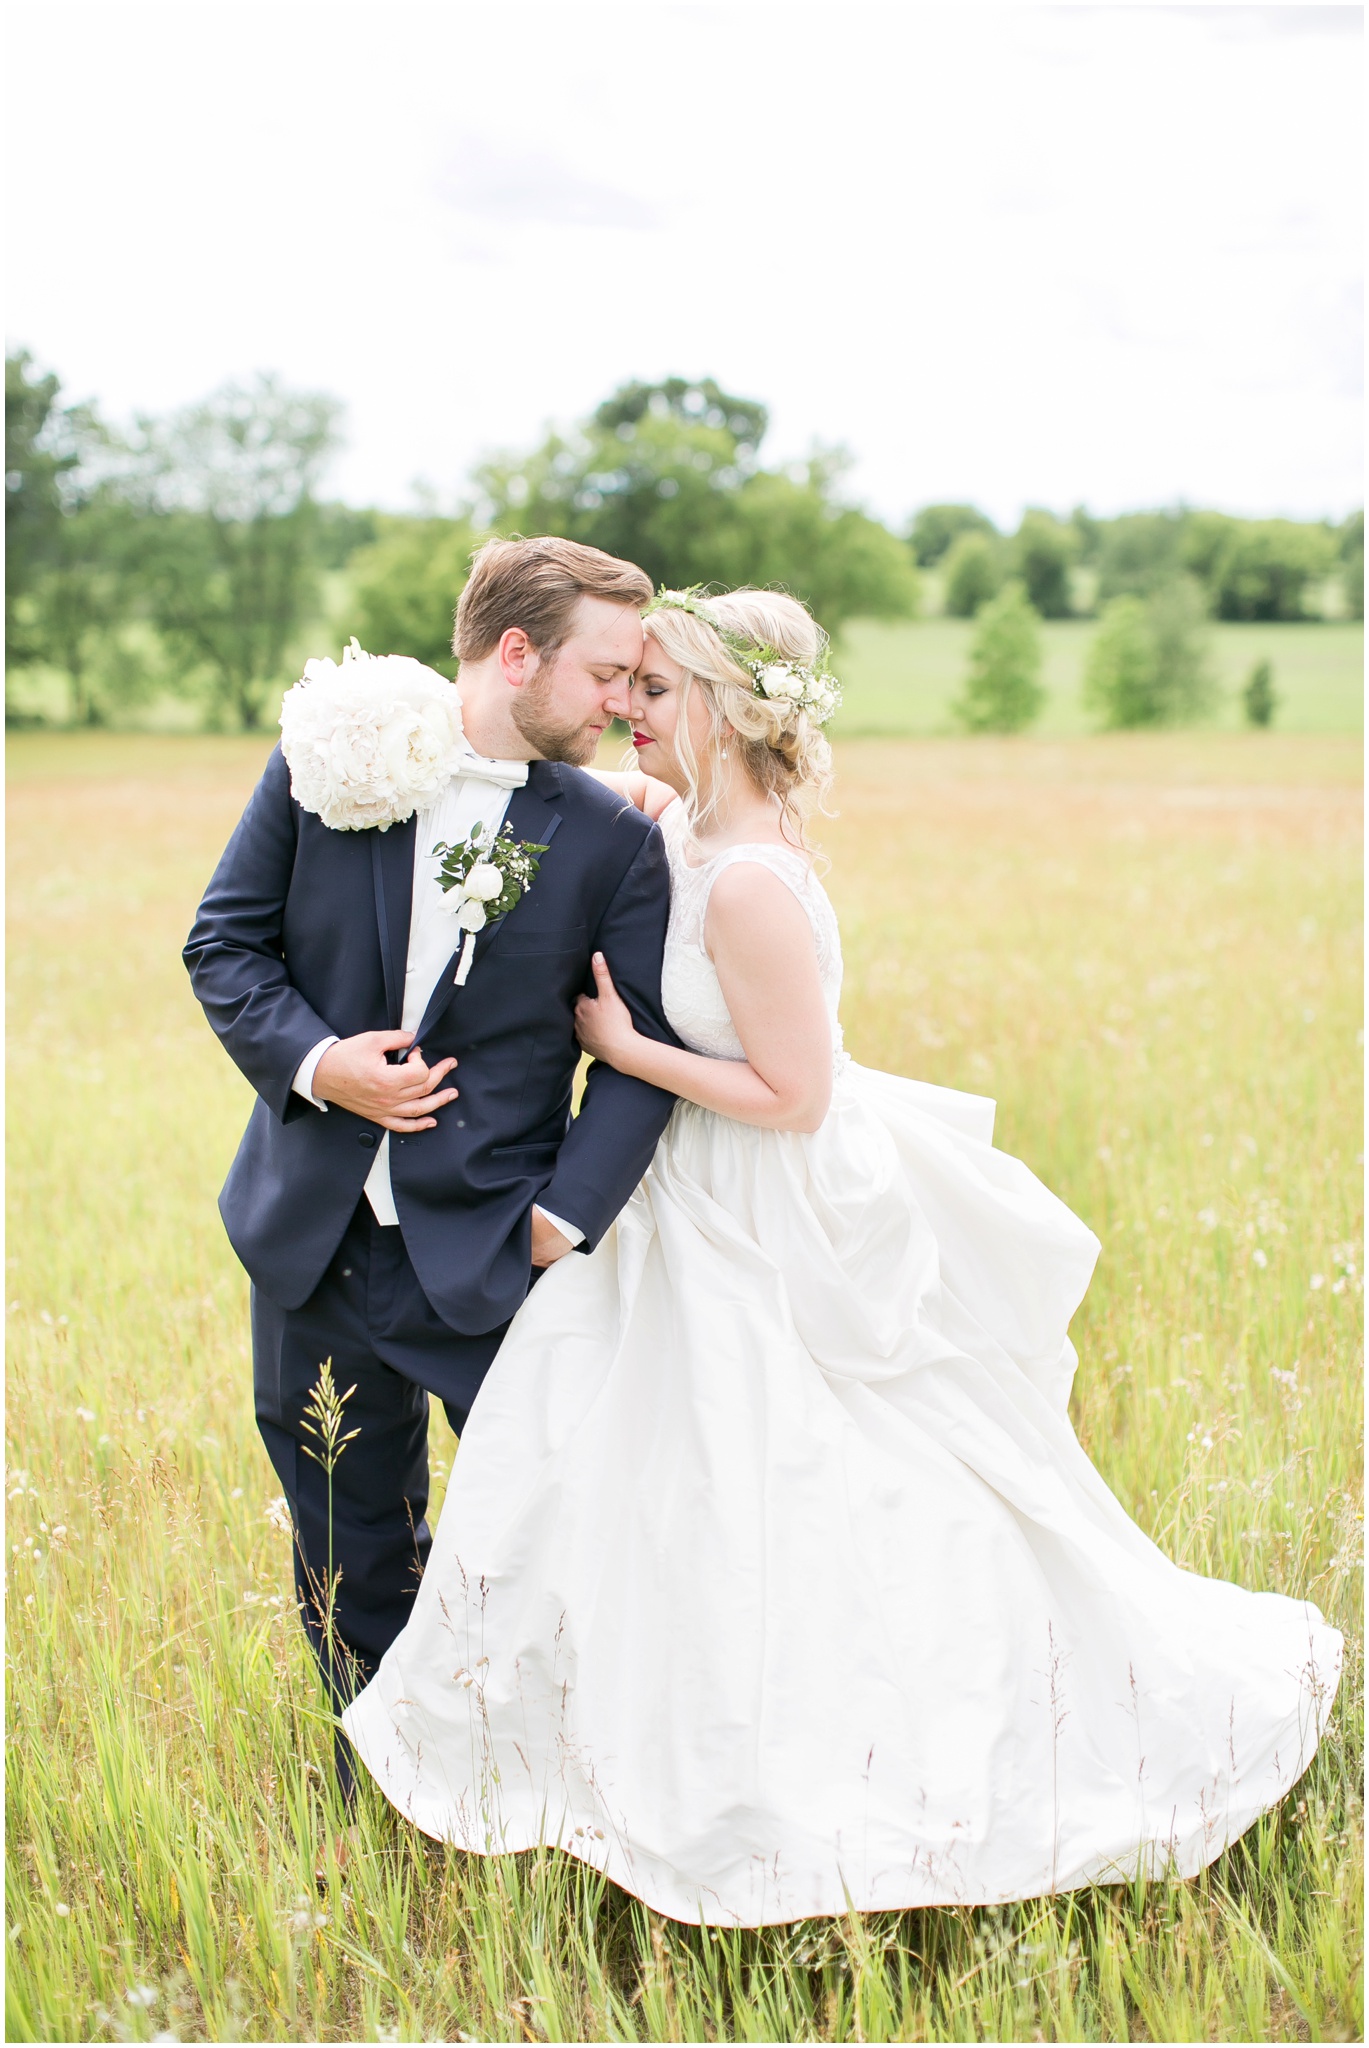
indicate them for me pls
(773, 675)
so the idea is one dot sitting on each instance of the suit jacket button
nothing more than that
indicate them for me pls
(366, 1138)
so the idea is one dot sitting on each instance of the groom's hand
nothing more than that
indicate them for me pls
(356, 1075)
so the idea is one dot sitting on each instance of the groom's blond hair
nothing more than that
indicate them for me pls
(536, 584)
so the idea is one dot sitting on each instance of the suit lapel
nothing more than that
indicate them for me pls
(392, 871)
(532, 815)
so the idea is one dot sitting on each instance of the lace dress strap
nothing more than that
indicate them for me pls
(792, 869)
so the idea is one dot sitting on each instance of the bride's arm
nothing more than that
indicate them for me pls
(645, 791)
(767, 964)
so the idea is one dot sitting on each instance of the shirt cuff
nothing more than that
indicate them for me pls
(303, 1083)
(568, 1230)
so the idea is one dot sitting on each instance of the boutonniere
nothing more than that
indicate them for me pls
(484, 875)
(370, 741)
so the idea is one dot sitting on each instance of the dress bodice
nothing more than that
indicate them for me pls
(690, 990)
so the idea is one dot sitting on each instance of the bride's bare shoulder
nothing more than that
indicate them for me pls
(752, 907)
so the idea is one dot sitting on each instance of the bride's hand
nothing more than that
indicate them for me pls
(603, 1023)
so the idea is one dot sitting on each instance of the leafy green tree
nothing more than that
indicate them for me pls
(1148, 664)
(790, 530)
(226, 560)
(404, 588)
(973, 573)
(1258, 695)
(702, 403)
(650, 477)
(36, 464)
(936, 528)
(1352, 558)
(667, 475)
(1264, 567)
(1042, 555)
(1176, 619)
(1002, 692)
(78, 606)
(340, 531)
(1202, 539)
(1088, 534)
(66, 590)
(1139, 551)
(1120, 672)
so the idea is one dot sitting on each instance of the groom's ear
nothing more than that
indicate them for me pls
(517, 656)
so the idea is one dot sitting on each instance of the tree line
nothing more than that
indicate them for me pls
(189, 553)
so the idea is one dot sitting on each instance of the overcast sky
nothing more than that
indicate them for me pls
(1017, 255)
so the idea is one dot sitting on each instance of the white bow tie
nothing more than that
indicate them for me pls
(505, 774)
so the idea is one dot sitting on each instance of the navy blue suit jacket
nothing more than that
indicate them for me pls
(304, 931)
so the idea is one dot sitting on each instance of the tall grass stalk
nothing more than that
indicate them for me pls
(324, 1413)
(1147, 949)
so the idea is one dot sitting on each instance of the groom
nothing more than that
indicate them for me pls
(411, 1161)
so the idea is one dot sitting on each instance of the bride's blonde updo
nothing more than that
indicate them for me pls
(780, 745)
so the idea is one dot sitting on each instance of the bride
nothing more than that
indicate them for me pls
(772, 1579)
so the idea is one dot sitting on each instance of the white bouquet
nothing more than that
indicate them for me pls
(370, 741)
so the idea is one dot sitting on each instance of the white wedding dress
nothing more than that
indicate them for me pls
(772, 1579)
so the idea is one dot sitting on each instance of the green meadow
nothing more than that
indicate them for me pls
(904, 678)
(1147, 947)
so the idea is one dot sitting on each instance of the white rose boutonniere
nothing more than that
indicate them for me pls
(484, 876)
(370, 740)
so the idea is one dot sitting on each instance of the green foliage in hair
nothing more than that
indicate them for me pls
(774, 676)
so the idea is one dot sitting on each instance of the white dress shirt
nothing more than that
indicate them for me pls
(479, 795)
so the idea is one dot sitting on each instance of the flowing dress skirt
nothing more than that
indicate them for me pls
(772, 1579)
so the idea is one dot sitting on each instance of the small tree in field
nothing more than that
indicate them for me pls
(1148, 661)
(1118, 676)
(1258, 695)
(1003, 690)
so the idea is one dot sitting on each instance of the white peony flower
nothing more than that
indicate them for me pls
(484, 882)
(470, 916)
(371, 739)
(802, 688)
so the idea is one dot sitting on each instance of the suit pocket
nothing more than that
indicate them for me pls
(564, 938)
(547, 1149)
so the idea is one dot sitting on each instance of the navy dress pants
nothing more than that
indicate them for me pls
(368, 1527)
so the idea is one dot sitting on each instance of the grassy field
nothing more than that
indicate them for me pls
(904, 678)
(1147, 948)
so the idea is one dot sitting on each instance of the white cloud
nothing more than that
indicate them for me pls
(1016, 254)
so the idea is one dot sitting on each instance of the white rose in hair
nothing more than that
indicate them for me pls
(371, 739)
(484, 882)
(777, 681)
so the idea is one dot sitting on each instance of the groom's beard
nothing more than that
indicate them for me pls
(532, 712)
